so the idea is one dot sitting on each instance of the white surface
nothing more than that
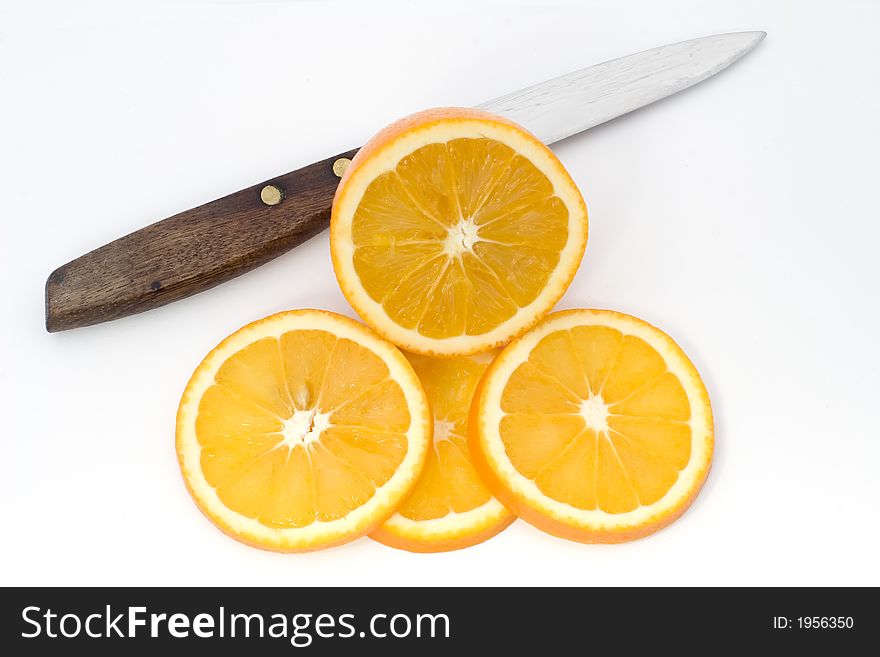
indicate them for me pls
(740, 216)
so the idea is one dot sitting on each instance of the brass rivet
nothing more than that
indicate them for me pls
(271, 195)
(340, 165)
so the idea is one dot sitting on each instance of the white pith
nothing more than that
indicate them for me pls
(594, 410)
(461, 237)
(442, 430)
(304, 428)
(318, 533)
(702, 440)
(457, 524)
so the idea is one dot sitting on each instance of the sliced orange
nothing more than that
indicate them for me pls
(454, 230)
(450, 507)
(593, 426)
(301, 431)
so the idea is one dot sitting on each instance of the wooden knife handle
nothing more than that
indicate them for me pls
(194, 250)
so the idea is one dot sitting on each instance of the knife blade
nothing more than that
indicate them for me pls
(197, 249)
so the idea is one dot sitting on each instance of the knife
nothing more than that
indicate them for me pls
(203, 247)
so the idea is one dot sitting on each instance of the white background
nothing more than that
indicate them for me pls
(740, 216)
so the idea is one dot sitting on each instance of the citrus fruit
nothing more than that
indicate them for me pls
(302, 430)
(453, 230)
(449, 507)
(593, 426)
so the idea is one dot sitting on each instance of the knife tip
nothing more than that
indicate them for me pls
(746, 41)
(756, 36)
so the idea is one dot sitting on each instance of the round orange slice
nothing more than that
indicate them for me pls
(301, 431)
(593, 426)
(449, 507)
(454, 230)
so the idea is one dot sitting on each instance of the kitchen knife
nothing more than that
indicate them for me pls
(200, 248)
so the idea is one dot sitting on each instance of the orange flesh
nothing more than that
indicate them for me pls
(301, 428)
(458, 237)
(449, 482)
(595, 418)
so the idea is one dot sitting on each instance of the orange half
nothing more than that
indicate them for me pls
(453, 230)
(593, 426)
(450, 507)
(302, 430)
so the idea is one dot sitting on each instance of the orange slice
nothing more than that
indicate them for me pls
(454, 230)
(450, 507)
(301, 431)
(593, 426)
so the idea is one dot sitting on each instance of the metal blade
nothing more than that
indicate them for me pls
(571, 103)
